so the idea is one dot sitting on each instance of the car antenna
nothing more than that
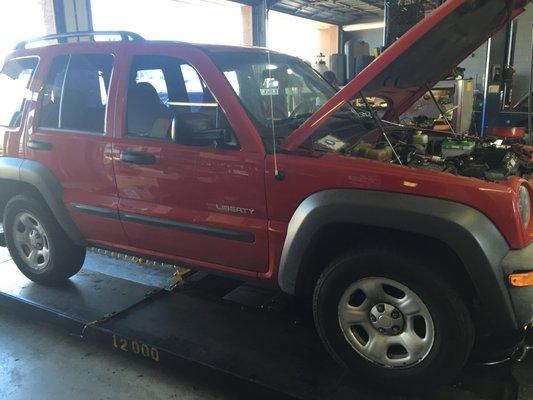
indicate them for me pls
(380, 126)
(441, 111)
(530, 96)
(277, 173)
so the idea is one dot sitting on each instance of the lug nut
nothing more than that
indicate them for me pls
(381, 330)
(396, 329)
(381, 308)
(395, 314)
(373, 318)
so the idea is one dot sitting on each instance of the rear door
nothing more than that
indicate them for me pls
(71, 135)
(187, 197)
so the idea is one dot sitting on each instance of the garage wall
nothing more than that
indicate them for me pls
(301, 37)
(374, 37)
(474, 66)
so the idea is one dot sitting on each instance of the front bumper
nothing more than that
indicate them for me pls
(518, 261)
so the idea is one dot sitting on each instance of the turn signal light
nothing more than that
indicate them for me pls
(521, 280)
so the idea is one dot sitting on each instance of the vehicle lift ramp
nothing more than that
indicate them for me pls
(247, 335)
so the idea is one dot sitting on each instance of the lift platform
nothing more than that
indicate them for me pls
(246, 334)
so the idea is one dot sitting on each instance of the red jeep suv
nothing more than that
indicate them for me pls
(415, 245)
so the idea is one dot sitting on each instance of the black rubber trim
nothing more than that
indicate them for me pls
(39, 145)
(100, 211)
(239, 236)
(470, 234)
(42, 179)
(518, 261)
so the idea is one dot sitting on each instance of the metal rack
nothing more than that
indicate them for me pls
(125, 36)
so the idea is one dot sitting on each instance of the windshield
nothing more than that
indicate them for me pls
(281, 92)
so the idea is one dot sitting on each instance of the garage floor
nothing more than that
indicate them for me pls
(41, 361)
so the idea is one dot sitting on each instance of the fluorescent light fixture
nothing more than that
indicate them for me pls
(364, 26)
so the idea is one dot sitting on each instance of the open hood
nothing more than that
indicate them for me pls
(423, 56)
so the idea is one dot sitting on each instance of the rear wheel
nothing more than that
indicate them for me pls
(386, 316)
(38, 245)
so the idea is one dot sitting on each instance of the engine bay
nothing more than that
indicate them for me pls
(484, 158)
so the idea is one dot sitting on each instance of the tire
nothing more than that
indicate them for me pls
(37, 244)
(435, 325)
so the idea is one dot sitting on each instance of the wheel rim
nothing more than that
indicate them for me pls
(31, 241)
(386, 322)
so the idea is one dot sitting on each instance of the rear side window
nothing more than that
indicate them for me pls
(14, 81)
(76, 93)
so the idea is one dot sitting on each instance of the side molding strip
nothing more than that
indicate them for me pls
(100, 211)
(240, 236)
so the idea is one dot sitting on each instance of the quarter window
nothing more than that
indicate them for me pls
(76, 93)
(14, 81)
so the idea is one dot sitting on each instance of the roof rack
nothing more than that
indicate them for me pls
(124, 36)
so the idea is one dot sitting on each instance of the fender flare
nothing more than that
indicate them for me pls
(474, 238)
(43, 180)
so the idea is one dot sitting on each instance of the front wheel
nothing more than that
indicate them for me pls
(386, 316)
(37, 244)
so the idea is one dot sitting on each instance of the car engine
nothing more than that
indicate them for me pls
(465, 155)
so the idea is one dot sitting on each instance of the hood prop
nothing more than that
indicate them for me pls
(380, 125)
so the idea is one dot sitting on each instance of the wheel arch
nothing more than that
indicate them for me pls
(22, 176)
(457, 230)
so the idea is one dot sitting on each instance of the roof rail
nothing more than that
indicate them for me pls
(124, 36)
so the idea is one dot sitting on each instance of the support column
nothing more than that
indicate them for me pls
(72, 15)
(259, 23)
(493, 85)
(49, 17)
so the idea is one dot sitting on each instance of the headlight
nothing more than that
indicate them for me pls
(524, 205)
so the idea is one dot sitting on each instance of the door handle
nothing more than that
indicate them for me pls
(136, 157)
(39, 145)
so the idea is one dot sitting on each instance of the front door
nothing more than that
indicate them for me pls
(185, 193)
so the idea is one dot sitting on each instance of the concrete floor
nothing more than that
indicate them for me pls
(41, 361)
(38, 361)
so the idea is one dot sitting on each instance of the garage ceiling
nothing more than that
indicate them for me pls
(338, 12)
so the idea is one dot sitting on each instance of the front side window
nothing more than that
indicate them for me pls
(14, 81)
(168, 100)
(155, 78)
(76, 92)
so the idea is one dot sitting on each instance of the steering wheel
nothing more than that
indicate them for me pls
(305, 105)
